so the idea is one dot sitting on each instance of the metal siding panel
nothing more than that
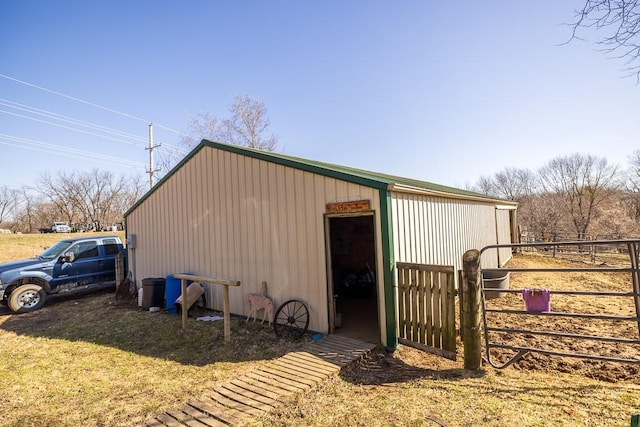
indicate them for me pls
(446, 229)
(218, 211)
(208, 206)
(300, 226)
(241, 236)
(200, 194)
(314, 249)
(265, 220)
(254, 253)
(226, 213)
(281, 273)
(289, 230)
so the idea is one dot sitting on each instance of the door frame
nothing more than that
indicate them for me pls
(329, 267)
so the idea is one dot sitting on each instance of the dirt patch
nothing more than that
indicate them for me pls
(563, 303)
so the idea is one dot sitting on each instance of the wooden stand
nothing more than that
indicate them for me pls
(225, 298)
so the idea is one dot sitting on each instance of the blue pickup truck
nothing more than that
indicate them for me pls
(69, 265)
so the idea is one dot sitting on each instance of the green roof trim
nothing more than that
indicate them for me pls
(345, 173)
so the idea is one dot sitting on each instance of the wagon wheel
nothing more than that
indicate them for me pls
(291, 319)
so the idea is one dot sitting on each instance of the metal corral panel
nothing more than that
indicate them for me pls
(437, 230)
(230, 216)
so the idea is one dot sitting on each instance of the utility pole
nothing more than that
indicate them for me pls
(152, 168)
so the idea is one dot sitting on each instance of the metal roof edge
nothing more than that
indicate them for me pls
(357, 176)
(401, 188)
(319, 168)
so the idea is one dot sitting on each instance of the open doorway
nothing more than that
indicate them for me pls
(353, 286)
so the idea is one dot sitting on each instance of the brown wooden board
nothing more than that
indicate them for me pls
(173, 419)
(276, 381)
(283, 373)
(265, 402)
(304, 370)
(249, 383)
(200, 417)
(240, 410)
(240, 402)
(215, 409)
(168, 421)
(305, 355)
(312, 363)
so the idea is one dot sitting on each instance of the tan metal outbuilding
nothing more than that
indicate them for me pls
(318, 232)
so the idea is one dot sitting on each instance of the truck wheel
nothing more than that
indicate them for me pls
(27, 298)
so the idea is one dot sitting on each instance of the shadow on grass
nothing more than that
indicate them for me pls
(97, 318)
(382, 368)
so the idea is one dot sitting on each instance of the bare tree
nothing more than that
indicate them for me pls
(93, 193)
(27, 211)
(631, 197)
(7, 200)
(620, 22)
(89, 197)
(55, 189)
(542, 213)
(616, 217)
(582, 181)
(249, 124)
(202, 126)
(485, 186)
(514, 184)
(509, 184)
(634, 172)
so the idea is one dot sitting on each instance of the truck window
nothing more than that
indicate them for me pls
(110, 246)
(86, 250)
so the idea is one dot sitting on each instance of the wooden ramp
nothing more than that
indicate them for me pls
(264, 388)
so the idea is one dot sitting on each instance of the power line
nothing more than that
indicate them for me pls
(71, 128)
(67, 119)
(45, 147)
(73, 98)
(71, 120)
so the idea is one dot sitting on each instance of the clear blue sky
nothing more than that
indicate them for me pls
(438, 91)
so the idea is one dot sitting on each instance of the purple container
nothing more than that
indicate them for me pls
(537, 300)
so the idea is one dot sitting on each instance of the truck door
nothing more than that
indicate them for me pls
(79, 270)
(87, 262)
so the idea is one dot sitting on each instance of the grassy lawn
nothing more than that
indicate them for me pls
(87, 361)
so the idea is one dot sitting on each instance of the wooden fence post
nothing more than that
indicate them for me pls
(472, 298)
(119, 269)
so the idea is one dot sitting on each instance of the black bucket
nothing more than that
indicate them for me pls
(153, 292)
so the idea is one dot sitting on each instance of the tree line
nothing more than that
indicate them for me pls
(578, 196)
(87, 200)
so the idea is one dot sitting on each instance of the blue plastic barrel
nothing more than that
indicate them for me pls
(172, 291)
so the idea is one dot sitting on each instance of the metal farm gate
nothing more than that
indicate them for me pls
(426, 308)
(587, 258)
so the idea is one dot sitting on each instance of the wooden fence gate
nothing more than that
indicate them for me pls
(426, 308)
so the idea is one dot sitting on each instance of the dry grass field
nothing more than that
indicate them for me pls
(88, 361)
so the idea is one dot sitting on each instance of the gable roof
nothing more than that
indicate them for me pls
(345, 173)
